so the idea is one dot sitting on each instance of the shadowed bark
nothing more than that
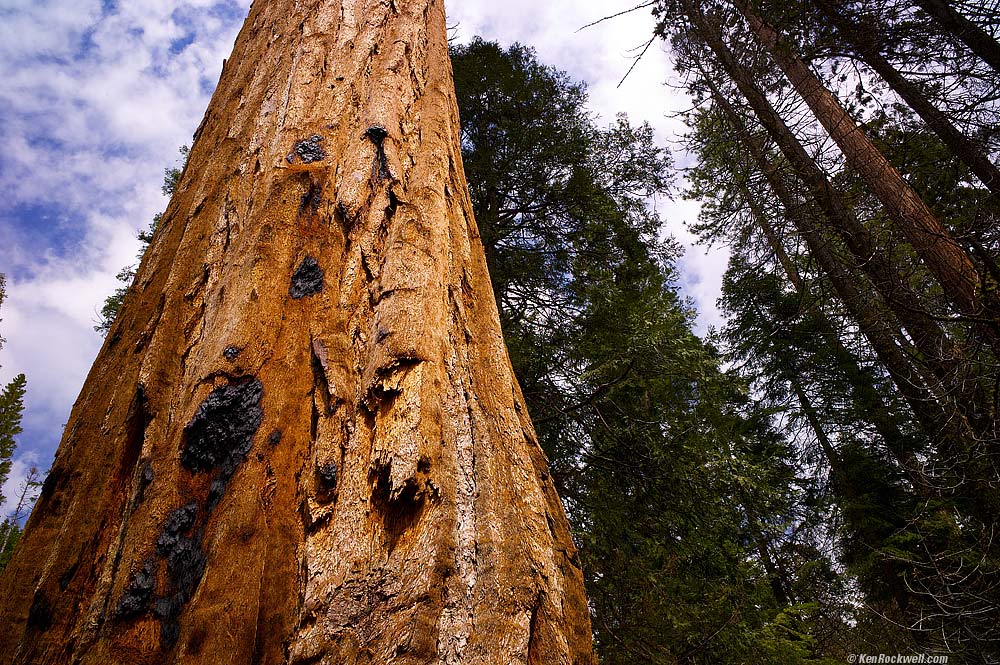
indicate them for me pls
(302, 441)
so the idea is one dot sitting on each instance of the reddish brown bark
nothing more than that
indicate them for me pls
(302, 441)
(947, 261)
(864, 44)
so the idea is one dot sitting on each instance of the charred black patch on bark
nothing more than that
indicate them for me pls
(232, 353)
(377, 134)
(221, 432)
(275, 438)
(185, 567)
(170, 630)
(146, 477)
(311, 198)
(390, 209)
(308, 150)
(138, 594)
(179, 522)
(217, 440)
(40, 614)
(327, 475)
(307, 279)
(181, 549)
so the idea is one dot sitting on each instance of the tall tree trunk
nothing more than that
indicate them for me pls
(770, 235)
(934, 345)
(863, 390)
(863, 42)
(947, 261)
(938, 417)
(302, 441)
(978, 40)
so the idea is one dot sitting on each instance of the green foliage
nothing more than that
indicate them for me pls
(891, 508)
(172, 175)
(559, 203)
(11, 408)
(11, 536)
(10, 527)
(659, 455)
(113, 303)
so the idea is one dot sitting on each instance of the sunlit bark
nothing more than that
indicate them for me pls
(302, 441)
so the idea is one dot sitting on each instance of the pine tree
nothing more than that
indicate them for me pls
(10, 527)
(113, 303)
(835, 325)
(11, 407)
(629, 403)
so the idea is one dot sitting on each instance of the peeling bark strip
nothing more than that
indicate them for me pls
(395, 507)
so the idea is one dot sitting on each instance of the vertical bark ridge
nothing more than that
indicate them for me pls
(381, 497)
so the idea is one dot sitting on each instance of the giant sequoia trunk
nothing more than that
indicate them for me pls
(302, 441)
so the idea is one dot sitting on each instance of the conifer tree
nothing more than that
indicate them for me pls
(11, 407)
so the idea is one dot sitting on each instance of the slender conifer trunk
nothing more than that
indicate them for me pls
(864, 44)
(938, 416)
(952, 21)
(945, 258)
(935, 347)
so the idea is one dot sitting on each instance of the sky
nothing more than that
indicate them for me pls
(96, 96)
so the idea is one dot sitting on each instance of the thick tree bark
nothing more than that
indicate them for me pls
(302, 441)
(946, 260)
